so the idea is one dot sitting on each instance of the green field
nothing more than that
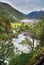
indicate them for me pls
(13, 24)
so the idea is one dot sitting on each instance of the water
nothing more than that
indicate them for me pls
(29, 20)
(25, 48)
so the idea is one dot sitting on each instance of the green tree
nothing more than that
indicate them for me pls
(7, 26)
(4, 24)
(6, 51)
(42, 34)
(39, 31)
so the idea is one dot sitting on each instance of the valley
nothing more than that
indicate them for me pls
(21, 36)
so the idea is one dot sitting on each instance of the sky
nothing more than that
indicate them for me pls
(26, 6)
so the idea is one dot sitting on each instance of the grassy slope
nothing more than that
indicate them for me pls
(10, 12)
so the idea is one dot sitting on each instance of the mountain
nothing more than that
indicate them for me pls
(36, 15)
(10, 13)
(14, 15)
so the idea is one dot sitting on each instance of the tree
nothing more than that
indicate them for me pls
(7, 26)
(42, 34)
(4, 24)
(6, 51)
(39, 31)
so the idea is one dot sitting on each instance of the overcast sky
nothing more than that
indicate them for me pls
(26, 6)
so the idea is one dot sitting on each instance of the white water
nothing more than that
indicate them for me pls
(25, 48)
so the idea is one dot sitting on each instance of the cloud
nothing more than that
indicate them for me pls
(26, 5)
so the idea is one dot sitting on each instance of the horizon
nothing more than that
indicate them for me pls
(26, 3)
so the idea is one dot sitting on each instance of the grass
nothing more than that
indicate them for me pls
(13, 24)
(35, 56)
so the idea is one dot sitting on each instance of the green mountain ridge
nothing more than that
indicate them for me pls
(10, 13)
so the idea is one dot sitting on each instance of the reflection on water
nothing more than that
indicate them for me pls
(25, 48)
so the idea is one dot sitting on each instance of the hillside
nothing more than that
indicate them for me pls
(10, 13)
(36, 15)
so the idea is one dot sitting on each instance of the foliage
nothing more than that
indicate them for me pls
(39, 31)
(6, 50)
(26, 59)
(20, 60)
(5, 28)
(38, 27)
(35, 54)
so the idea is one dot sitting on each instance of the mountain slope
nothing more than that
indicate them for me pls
(10, 13)
(36, 14)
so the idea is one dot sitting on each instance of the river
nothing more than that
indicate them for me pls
(25, 48)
